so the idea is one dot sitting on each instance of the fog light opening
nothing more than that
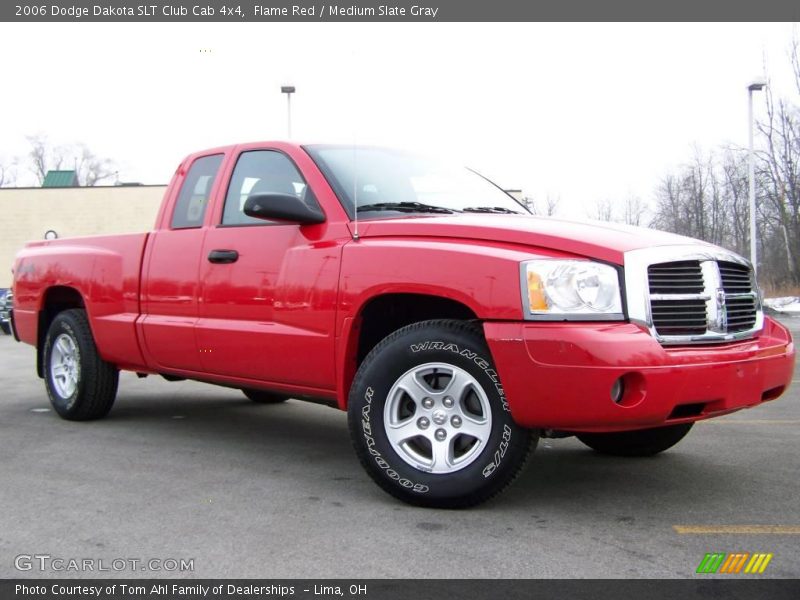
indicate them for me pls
(629, 390)
(618, 390)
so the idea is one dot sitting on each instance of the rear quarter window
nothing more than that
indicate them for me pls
(190, 208)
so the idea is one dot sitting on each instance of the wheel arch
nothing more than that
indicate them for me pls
(383, 314)
(55, 299)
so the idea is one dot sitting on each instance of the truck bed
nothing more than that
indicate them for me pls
(105, 270)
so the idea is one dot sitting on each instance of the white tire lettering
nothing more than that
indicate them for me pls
(495, 378)
(470, 355)
(366, 427)
(499, 453)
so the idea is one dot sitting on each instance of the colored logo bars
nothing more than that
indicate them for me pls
(720, 562)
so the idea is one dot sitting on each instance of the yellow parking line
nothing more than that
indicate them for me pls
(738, 529)
(752, 421)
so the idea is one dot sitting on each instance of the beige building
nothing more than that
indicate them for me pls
(29, 213)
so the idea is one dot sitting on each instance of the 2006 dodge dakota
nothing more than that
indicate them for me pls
(454, 327)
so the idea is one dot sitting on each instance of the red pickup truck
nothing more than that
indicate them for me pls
(452, 326)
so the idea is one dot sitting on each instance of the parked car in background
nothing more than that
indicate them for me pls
(6, 300)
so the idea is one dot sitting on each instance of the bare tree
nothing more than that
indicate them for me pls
(89, 168)
(548, 207)
(694, 201)
(529, 203)
(603, 211)
(630, 212)
(794, 56)
(634, 211)
(551, 205)
(734, 174)
(8, 174)
(780, 166)
(44, 157)
(708, 197)
(92, 169)
(668, 215)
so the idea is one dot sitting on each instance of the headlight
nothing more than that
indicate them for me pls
(570, 289)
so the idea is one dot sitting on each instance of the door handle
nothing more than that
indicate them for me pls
(223, 257)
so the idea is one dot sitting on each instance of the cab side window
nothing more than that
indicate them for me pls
(190, 208)
(262, 172)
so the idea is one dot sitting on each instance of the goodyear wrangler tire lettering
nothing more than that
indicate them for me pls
(429, 419)
(380, 461)
(471, 355)
(500, 453)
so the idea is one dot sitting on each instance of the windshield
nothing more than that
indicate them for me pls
(385, 180)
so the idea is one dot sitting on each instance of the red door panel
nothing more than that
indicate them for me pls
(270, 315)
(170, 289)
(170, 293)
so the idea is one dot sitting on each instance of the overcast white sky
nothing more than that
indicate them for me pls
(583, 111)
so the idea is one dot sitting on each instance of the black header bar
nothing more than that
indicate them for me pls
(700, 588)
(265, 11)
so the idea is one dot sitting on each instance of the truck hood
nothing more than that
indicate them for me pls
(598, 240)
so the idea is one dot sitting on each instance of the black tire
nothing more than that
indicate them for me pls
(493, 463)
(96, 380)
(6, 328)
(641, 442)
(262, 397)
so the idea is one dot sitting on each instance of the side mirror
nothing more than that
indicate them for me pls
(282, 207)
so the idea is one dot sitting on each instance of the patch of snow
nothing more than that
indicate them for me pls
(787, 304)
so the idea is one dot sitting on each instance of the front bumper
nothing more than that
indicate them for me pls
(560, 375)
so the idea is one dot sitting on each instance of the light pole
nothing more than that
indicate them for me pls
(288, 90)
(753, 87)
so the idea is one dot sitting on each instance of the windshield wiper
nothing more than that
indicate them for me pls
(406, 207)
(492, 209)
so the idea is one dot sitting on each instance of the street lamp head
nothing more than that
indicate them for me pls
(757, 85)
(287, 89)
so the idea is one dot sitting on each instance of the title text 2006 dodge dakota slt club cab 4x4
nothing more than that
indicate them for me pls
(454, 328)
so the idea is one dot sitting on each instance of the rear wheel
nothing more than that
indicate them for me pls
(5, 327)
(429, 420)
(642, 442)
(80, 384)
(262, 397)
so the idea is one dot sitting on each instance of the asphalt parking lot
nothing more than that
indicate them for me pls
(192, 471)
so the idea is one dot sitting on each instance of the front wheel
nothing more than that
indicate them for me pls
(642, 442)
(81, 385)
(429, 419)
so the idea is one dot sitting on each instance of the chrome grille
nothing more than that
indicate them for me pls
(679, 317)
(683, 277)
(693, 298)
(673, 315)
(741, 309)
(676, 278)
(692, 294)
(741, 313)
(735, 278)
